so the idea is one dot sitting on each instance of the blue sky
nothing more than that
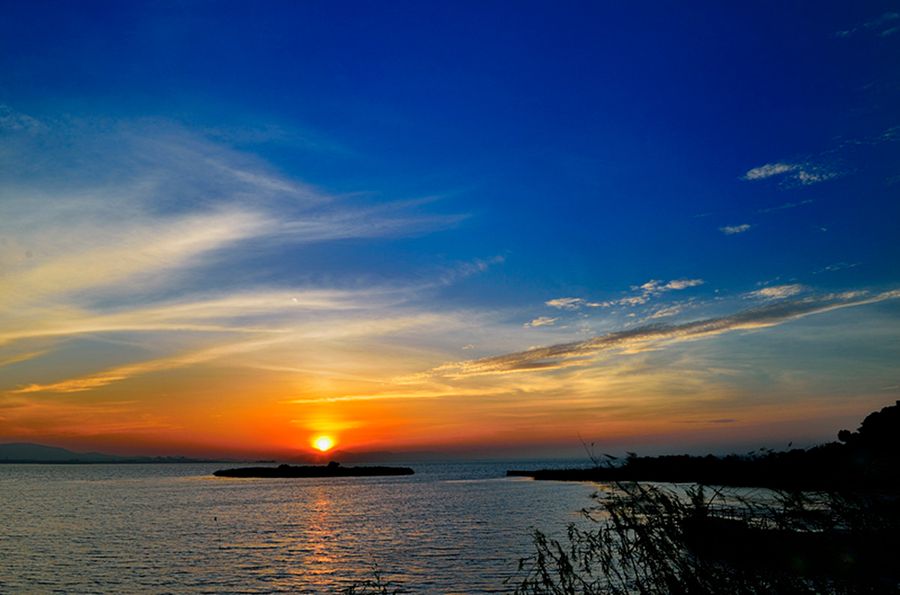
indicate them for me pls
(475, 227)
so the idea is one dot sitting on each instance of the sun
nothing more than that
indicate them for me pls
(323, 443)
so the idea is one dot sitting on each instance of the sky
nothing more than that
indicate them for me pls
(487, 229)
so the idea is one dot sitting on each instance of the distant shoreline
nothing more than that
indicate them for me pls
(866, 459)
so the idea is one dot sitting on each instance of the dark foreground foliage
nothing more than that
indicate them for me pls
(647, 540)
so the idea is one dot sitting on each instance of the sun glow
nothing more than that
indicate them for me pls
(323, 443)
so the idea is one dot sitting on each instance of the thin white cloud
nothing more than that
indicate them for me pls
(676, 285)
(733, 229)
(803, 174)
(565, 303)
(769, 170)
(571, 304)
(779, 292)
(543, 320)
(651, 289)
(665, 312)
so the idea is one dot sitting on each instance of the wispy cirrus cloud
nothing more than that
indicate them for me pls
(883, 26)
(141, 229)
(466, 269)
(263, 311)
(579, 353)
(154, 204)
(787, 205)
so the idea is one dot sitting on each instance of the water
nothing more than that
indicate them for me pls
(450, 528)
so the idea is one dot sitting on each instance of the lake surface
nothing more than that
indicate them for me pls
(450, 528)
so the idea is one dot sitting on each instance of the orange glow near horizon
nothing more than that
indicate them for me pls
(323, 443)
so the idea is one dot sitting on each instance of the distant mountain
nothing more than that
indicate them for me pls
(26, 452)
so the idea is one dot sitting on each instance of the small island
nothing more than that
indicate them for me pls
(332, 469)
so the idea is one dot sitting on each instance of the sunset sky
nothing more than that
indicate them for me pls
(487, 228)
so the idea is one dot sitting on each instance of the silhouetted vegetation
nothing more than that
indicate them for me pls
(332, 469)
(832, 525)
(866, 459)
(648, 540)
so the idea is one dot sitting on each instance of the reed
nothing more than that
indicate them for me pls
(647, 540)
(376, 585)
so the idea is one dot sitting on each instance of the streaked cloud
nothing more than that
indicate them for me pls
(269, 344)
(20, 357)
(395, 395)
(261, 311)
(92, 381)
(787, 205)
(579, 353)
